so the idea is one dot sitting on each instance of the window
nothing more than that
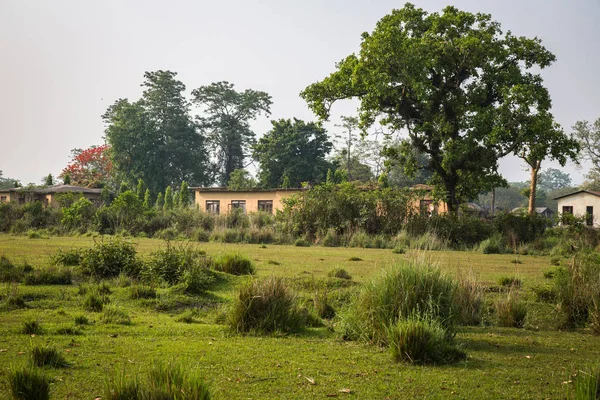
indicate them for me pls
(567, 210)
(2, 199)
(265, 206)
(427, 207)
(238, 204)
(589, 215)
(213, 206)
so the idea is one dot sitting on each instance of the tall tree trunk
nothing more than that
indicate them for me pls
(493, 202)
(451, 200)
(535, 169)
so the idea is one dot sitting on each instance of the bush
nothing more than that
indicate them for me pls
(339, 273)
(32, 327)
(301, 242)
(198, 279)
(492, 245)
(409, 289)
(49, 276)
(170, 263)
(587, 386)
(28, 384)
(163, 382)
(201, 235)
(10, 272)
(110, 258)
(259, 235)
(234, 264)
(114, 315)
(67, 258)
(398, 250)
(421, 340)
(166, 234)
(142, 292)
(331, 239)
(48, 356)
(510, 311)
(93, 302)
(265, 306)
(510, 281)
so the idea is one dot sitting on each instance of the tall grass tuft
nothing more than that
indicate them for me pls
(421, 340)
(406, 290)
(48, 356)
(340, 273)
(234, 264)
(28, 384)
(32, 327)
(510, 311)
(468, 300)
(265, 306)
(121, 387)
(49, 276)
(93, 302)
(587, 386)
(114, 315)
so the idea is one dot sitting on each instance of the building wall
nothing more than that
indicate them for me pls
(251, 197)
(8, 196)
(579, 202)
(50, 199)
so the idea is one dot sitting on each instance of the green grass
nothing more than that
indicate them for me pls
(536, 362)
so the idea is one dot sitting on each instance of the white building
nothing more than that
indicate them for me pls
(583, 203)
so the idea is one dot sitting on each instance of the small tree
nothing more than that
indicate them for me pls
(140, 189)
(49, 180)
(168, 198)
(184, 195)
(147, 199)
(159, 201)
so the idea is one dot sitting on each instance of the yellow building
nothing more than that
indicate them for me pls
(220, 200)
(48, 195)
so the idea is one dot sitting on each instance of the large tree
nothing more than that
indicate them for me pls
(453, 81)
(226, 121)
(588, 135)
(291, 153)
(7, 183)
(90, 167)
(553, 179)
(155, 138)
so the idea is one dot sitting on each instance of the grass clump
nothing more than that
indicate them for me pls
(68, 330)
(587, 386)
(510, 311)
(163, 382)
(32, 327)
(170, 263)
(110, 258)
(81, 320)
(28, 384)
(265, 306)
(48, 356)
(49, 276)
(468, 300)
(301, 242)
(340, 273)
(68, 258)
(399, 250)
(355, 259)
(492, 245)
(142, 292)
(13, 300)
(510, 281)
(323, 307)
(114, 315)
(9, 272)
(422, 340)
(234, 264)
(93, 302)
(198, 279)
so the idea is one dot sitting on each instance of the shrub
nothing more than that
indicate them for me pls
(587, 386)
(110, 258)
(265, 306)
(48, 356)
(510, 311)
(81, 320)
(421, 340)
(9, 272)
(13, 299)
(49, 276)
(322, 306)
(409, 289)
(339, 273)
(550, 273)
(259, 235)
(93, 302)
(32, 327)
(201, 235)
(28, 384)
(170, 263)
(35, 234)
(234, 264)
(430, 241)
(142, 292)
(198, 279)
(301, 242)
(492, 245)
(468, 300)
(331, 239)
(166, 234)
(555, 261)
(114, 315)
(544, 293)
(512, 281)
(398, 250)
(67, 258)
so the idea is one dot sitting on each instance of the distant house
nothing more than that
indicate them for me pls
(541, 211)
(221, 200)
(425, 203)
(47, 195)
(582, 203)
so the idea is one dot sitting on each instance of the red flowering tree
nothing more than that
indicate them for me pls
(90, 167)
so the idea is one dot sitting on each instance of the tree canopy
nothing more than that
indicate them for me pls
(90, 167)
(453, 81)
(226, 121)
(291, 153)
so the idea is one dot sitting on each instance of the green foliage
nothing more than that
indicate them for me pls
(493, 245)
(168, 198)
(10, 272)
(147, 200)
(32, 327)
(79, 215)
(68, 330)
(409, 289)
(323, 307)
(81, 320)
(93, 302)
(295, 150)
(510, 311)
(198, 279)
(301, 242)
(419, 340)
(48, 356)
(114, 315)
(160, 202)
(234, 264)
(398, 250)
(184, 195)
(49, 276)
(142, 292)
(126, 212)
(240, 179)
(510, 281)
(110, 258)
(265, 306)
(169, 264)
(340, 273)
(587, 386)
(468, 300)
(28, 384)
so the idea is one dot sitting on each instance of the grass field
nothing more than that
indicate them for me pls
(503, 363)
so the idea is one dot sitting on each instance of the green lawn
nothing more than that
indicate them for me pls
(536, 362)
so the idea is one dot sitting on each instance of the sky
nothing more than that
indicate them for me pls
(63, 62)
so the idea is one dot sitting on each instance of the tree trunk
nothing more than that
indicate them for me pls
(451, 201)
(535, 169)
(493, 202)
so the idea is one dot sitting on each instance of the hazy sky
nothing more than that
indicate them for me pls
(63, 62)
